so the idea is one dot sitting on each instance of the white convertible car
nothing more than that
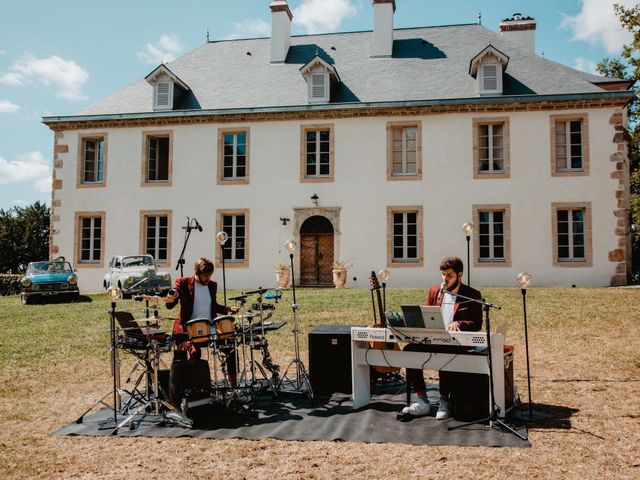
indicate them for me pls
(136, 273)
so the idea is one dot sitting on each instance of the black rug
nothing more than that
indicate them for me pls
(296, 419)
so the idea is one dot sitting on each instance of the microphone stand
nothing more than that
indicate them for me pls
(192, 224)
(493, 415)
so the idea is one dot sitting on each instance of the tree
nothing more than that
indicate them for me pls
(628, 67)
(24, 236)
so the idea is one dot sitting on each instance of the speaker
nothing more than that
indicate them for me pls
(330, 359)
(469, 398)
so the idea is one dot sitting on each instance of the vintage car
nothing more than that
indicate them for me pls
(135, 274)
(48, 279)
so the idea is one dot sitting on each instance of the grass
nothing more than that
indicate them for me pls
(585, 358)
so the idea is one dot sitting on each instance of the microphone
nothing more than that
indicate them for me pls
(442, 290)
(197, 225)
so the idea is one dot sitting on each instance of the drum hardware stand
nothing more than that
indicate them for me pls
(156, 402)
(192, 224)
(113, 293)
(493, 415)
(302, 384)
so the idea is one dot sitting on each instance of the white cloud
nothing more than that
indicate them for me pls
(8, 107)
(66, 75)
(250, 28)
(166, 49)
(586, 65)
(597, 24)
(320, 16)
(28, 167)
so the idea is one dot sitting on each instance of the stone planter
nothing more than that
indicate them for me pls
(339, 277)
(282, 278)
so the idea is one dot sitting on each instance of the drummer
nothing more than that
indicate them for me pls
(197, 297)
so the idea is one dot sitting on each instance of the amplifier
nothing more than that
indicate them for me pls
(330, 359)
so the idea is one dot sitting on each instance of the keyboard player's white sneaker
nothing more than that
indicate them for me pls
(419, 408)
(443, 409)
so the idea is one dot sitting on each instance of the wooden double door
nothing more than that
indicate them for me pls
(316, 259)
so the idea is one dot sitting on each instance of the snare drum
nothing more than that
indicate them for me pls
(224, 326)
(199, 330)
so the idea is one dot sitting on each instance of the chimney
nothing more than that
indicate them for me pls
(280, 30)
(382, 42)
(520, 32)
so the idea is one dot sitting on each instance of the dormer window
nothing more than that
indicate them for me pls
(319, 76)
(162, 95)
(318, 86)
(168, 89)
(488, 68)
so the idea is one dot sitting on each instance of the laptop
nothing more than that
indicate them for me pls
(422, 316)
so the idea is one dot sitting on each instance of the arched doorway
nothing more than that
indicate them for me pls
(316, 251)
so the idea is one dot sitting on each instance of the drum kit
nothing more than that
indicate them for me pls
(186, 391)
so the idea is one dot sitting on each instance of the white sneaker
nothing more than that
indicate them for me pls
(443, 409)
(417, 409)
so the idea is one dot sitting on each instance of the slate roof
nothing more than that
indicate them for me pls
(428, 63)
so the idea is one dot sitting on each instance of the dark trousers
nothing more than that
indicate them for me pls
(415, 377)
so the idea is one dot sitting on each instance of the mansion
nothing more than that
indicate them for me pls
(371, 148)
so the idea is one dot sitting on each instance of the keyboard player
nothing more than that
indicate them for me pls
(458, 314)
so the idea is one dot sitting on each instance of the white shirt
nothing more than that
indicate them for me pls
(447, 308)
(201, 301)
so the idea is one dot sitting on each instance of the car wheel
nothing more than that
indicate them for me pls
(24, 299)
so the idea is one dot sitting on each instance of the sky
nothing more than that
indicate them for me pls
(57, 57)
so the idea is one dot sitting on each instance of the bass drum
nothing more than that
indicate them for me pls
(190, 380)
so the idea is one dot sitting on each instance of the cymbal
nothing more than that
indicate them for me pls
(259, 291)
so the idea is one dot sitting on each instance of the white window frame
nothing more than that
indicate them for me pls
(157, 138)
(403, 153)
(156, 95)
(325, 87)
(234, 156)
(490, 140)
(568, 144)
(92, 237)
(491, 235)
(482, 80)
(98, 173)
(317, 153)
(405, 238)
(154, 252)
(570, 235)
(230, 245)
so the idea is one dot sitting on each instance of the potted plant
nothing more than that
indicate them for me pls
(340, 273)
(282, 275)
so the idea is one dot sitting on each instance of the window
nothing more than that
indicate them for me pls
(405, 239)
(572, 234)
(233, 156)
(569, 145)
(236, 249)
(490, 78)
(491, 148)
(316, 161)
(318, 86)
(404, 150)
(492, 244)
(92, 160)
(163, 95)
(157, 162)
(155, 232)
(89, 235)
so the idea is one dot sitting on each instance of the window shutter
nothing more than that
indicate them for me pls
(162, 94)
(317, 85)
(490, 77)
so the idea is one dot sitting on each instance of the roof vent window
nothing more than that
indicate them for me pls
(162, 94)
(317, 85)
(489, 78)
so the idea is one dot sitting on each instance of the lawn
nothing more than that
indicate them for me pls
(585, 365)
